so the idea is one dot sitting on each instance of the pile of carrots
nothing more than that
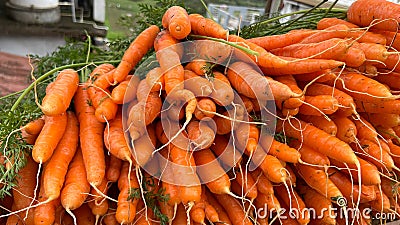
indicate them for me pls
(103, 152)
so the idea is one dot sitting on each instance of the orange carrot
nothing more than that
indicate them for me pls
(205, 109)
(198, 66)
(389, 78)
(345, 101)
(373, 51)
(331, 21)
(373, 153)
(144, 146)
(247, 136)
(206, 27)
(309, 155)
(119, 93)
(222, 90)
(343, 31)
(56, 168)
(273, 169)
(91, 137)
(383, 119)
(225, 126)
(346, 129)
(321, 122)
(369, 173)
(49, 137)
(319, 181)
(200, 134)
(365, 130)
(58, 99)
(372, 13)
(332, 147)
(155, 79)
(105, 107)
(324, 75)
(293, 200)
(319, 105)
(233, 209)
(226, 152)
(168, 180)
(136, 50)
(349, 190)
(200, 86)
(292, 84)
(102, 76)
(247, 184)
(176, 20)
(333, 48)
(45, 213)
(381, 203)
(270, 42)
(25, 189)
(97, 203)
(34, 127)
(126, 206)
(279, 150)
(222, 214)
(113, 169)
(114, 139)
(185, 175)
(76, 187)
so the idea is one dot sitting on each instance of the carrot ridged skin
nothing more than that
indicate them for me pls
(58, 99)
(137, 49)
(76, 186)
(49, 137)
(365, 12)
(57, 167)
(177, 21)
(91, 137)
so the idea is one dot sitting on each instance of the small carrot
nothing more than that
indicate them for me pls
(294, 201)
(105, 107)
(200, 86)
(206, 27)
(34, 127)
(126, 206)
(321, 122)
(222, 90)
(374, 51)
(114, 139)
(383, 119)
(234, 210)
(176, 20)
(90, 136)
(309, 155)
(49, 137)
(205, 109)
(126, 90)
(319, 181)
(76, 187)
(136, 50)
(58, 99)
(198, 66)
(369, 173)
(346, 129)
(279, 150)
(227, 153)
(349, 190)
(200, 134)
(319, 105)
(57, 167)
(113, 169)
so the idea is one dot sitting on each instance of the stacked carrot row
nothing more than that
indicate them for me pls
(188, 144)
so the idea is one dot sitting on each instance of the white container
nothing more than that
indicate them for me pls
(35, 4)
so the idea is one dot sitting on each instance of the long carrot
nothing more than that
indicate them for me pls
(56, 168)
(136, 50)
(49, 137)
(346, 129)
(58, 99)
(91, 137)
(382, 13)
(126, 206)
(76, 187)
(332, 147)
(176, 20)
(321, 122)
(332, 21)
(309, 155)
(319, 105)
(247, 136)
(270, 42)
(206, 27)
